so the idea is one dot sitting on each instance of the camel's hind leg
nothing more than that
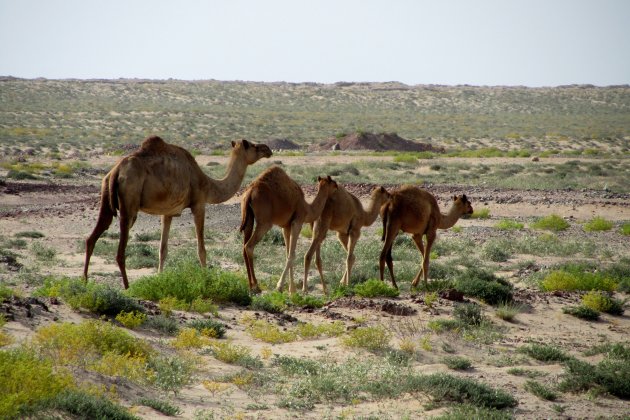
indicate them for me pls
(288, 268)
(431, 235)
(351, 242)
(251, 238)
(105, 217)
(417, 238)
(125, 225)
(166, 226)
(319, 234)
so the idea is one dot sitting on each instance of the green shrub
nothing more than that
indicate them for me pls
(611, 375)
(171, 372)
(131, 320)
(625, 229)
(306, 301)
(507, 224)
(208, 327)
(620, 273)
(600, 301)
(483, 285)
(508, 311)
(82, 405)
(375, 288)
(161, 406)
(540, 390)
(467, 412)
(552, 222)
(597, 224)
(26, 380)
(370, 338)
(571, 280)
(456, 362)
(186, 280)
(468, 314)
(544, 353)
(43, 253)
(495, 251)
(29, 234)
(582, 312)
(483, 213)
(273, 302)
(163, 324)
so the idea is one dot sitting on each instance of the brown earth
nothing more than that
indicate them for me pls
(376, 142)
(65, 212)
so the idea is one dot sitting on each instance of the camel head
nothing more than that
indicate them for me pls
(462, 204)
(252, 151)
(326, 185)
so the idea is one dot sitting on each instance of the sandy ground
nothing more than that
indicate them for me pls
(67, 213)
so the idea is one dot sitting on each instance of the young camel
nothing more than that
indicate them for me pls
(163, 179)
(275, 199)
(345, 215)
(416, 211)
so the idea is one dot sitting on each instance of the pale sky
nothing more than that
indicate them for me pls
(477, 42)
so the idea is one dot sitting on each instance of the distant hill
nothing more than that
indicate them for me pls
(376, 142)
(112, 112)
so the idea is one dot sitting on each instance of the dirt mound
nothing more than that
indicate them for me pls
(378, 142)
(281, 144)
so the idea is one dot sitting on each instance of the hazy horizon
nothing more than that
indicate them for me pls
(484, 43)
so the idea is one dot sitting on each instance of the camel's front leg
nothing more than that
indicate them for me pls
(319, 234)
(288, 269)
(166, 226)
(251, 238)
(427, 256)
(199, 213)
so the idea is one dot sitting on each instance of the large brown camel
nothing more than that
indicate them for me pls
(275, 199)
(416, 211)
(164, 179)
(344, 214)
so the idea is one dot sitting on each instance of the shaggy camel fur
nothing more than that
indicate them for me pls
(344, 214)
(163, 179)
(275, 199)
(416, 211)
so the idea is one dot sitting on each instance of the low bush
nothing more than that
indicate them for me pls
(508, 311)
(131, 320)
(495, 251)
(468, 314)
(234, 354)
(273, 302)
(375, 288)
(82, 405)
(26, 380)
(507, 224)
(186, 280)
(483, 213)
(582, 312)
(544, 353)
(611, 375)
(625, 229)
(574, 280)
(598, 224)
(457, 362)
(484, 285)
(208, 327)
(306, 301)
(467, 412)
(540, 390)
(369, 338)
(171, 373)
(552, 222)
(161, 406)
(269, 333)
(162, 324)
(190, 338)
(601, 301)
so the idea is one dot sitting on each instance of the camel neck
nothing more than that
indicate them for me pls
(221, 190)
(448, 220)
(316, 207)
(372, 212)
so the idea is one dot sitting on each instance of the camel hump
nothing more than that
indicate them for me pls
(153, 144)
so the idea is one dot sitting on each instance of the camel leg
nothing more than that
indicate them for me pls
(286, 235)
(248, 252)
(417, 238)
(319, 234)
(295, 233)
(125, 225)
(352, 242)
(386, 254)
(248, 230)
(431, 235)
(105, 217)
(199, 217)
(343, 240)
(166, 226)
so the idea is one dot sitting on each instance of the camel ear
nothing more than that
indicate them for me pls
(464, 198)
(329, 178)
(246, 144)
(319, 178)
(381, 189)
(454, 198)
(233, 143)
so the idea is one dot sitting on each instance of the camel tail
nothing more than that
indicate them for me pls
(385, 218)
(247, 213)
(112, 190)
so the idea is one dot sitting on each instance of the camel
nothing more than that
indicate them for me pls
(275, 199)
(344, 214)
(163, 179)
(416, 211)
